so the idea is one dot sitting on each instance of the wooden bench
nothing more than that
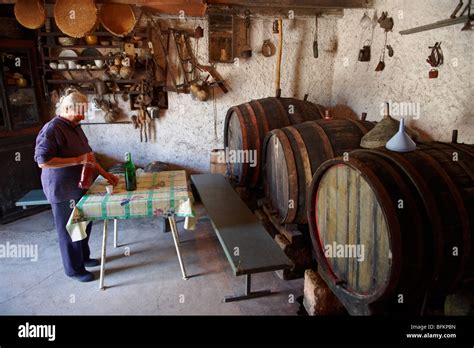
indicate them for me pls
(248, 246)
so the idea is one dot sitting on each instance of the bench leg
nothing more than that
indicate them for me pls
(115, 233)
(174, 232)
(248, 292)
(103, 256)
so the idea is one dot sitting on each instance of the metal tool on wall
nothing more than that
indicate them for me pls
(278, 29)
(386, 23)
(143, 119)
(247, 50)
(188, 62)
(453, 20)
(381, 65)
(367, 24)
(364, 53)
(435, 59)
(315, 41)
(468, 25)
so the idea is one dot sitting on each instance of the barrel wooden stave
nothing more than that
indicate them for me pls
(256, 119)
(434, 187)
(310, 144)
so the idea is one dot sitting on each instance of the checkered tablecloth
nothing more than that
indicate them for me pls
(157, 195)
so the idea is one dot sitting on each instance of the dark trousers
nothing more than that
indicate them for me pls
(73, 253)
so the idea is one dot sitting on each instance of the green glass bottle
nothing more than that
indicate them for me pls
(130, 176)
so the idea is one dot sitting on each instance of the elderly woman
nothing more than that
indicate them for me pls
(61, 150)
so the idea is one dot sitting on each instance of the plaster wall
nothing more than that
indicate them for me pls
(445, 103)
(185, 133)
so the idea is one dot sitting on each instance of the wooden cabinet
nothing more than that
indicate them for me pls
(19, 108)
(20, 122)
(20, 174)
(221, 38)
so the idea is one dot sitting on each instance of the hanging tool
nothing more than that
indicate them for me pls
(219, 82)
(456, 10)
(155, 27)
(315, 41)
(381, 65)
(279, 27)
(184, 57)
(468, 25)
(247, 50)
(435, 59)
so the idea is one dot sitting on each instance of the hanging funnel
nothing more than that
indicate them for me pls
(383, 131)
(401, 142)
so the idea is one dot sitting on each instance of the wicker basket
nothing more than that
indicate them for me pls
(76, 18)
(118, 19)
(30, 13)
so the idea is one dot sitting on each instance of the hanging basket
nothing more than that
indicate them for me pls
(75, 18)
(30, 13)
(118, 19)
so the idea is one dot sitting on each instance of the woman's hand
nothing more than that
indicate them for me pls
(112, 179)
(88, 158)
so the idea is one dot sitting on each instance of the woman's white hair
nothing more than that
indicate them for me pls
(72, 102)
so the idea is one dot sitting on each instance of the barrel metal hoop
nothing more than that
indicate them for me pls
(324, 138)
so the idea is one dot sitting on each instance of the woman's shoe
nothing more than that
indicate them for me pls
(84, 277)
(91, 263)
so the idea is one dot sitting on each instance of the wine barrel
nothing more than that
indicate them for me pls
(411, 214)
(292, 154)
(217, 163)
(246, 126)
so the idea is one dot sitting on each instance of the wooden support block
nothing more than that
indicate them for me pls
(293, 235)
(266, 222)
(299, 254)
(318, 298)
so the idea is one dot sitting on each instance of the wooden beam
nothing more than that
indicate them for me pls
(192, 8)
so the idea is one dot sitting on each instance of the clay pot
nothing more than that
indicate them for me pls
(114, 70)
(21, 82)
(126, 72)
(91, 39)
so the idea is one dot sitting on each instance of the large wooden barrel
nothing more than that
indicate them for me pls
(246, 126)
(409, 215)
(292, 154)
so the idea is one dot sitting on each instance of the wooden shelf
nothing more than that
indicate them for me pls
(96, 33)
(82, 46)
(19, 87)
(77, 58)
(66, 70)
(92, 81)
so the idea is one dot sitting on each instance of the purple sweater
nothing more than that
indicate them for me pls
(61, 138)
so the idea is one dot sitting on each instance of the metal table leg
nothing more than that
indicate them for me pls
(115, 233)
(103, 256)
(174, 232)
(248, 292)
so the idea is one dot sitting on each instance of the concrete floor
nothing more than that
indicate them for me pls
(146, 282)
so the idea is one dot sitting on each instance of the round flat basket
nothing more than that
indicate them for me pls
(30, 13)
(75, 18)
(118, 19)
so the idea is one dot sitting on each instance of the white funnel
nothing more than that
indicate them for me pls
(401, 142)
